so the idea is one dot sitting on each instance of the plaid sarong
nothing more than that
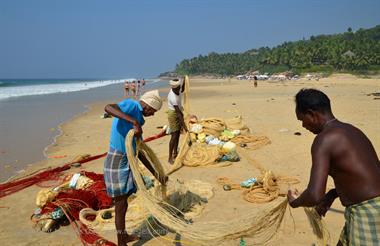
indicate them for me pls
(173, 120)
(118, 176)
(362, 223)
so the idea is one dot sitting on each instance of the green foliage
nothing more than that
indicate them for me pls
(355, 52)
(326, 70)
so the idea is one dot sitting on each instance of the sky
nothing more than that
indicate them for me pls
(125, 38)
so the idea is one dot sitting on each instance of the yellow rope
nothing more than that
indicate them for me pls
(201, 155)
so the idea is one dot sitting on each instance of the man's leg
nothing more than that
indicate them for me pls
(173, 146)
(121, 206)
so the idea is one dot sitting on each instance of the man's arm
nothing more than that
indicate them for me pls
(114, 110)
(318, 178)
(146, 163)
(326, 202)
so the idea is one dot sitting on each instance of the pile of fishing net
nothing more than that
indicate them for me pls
(61, 205)
(262, 189)
(82, 201)
(261, 224)
(189, 198)
(214, 141)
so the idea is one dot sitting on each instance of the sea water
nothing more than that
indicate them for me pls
(32, 109)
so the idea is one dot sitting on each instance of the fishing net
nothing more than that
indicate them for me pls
(262, 224)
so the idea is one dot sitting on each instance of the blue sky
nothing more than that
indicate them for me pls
(104, 39)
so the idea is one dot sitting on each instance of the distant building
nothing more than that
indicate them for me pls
(348, 54)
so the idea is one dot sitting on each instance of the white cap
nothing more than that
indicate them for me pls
(174, 83)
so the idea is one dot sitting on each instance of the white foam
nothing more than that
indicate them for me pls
(43, 89)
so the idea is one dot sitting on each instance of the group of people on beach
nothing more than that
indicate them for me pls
(339, 150)
(134, 88)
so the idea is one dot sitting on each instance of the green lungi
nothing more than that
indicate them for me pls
(173, 121)
(362, 225)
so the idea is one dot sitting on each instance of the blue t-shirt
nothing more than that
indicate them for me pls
(120, 128)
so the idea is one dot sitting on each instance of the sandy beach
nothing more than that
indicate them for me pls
(267, 110)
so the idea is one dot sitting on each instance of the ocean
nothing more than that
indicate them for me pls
(32, 109)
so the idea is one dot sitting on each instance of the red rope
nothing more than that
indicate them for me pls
(20, 184)
(154, 137)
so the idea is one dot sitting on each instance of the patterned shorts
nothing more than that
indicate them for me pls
(118, 176)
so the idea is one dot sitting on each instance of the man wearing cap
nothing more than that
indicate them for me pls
(128, 114)
(175, 117)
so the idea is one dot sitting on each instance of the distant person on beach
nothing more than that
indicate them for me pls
(346, 154)
(138, 87)
(175, 116)
(255, 81)
(128, 114)
(142, 85)
(126, 88)
(132, 87)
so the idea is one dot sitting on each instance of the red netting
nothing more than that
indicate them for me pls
(17, 185)
(73, 201)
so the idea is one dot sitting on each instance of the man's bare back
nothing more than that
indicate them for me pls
(354, 165)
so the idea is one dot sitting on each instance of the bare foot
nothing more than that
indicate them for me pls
(131, 238)
(123, 239)
(171, 161)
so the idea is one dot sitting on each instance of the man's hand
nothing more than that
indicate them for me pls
(184, 127)
(325, 204)
(138, 129)
(292, 195)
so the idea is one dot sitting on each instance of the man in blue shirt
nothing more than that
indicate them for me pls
(129, 114)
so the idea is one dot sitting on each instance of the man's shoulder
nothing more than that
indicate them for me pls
(334, 136)
(172, 95)
(128, 104)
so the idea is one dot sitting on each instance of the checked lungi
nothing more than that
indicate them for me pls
(173, 120)
(362, 223)
(118, 176)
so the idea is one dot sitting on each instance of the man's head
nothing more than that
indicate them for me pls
(312, 108)
(175, 84)
(151, 102)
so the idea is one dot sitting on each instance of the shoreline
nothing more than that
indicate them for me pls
(61, 131)
(24, 144)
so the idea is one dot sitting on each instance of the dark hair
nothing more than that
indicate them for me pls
(312, 99)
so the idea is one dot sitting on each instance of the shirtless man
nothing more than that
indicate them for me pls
(347, 155)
